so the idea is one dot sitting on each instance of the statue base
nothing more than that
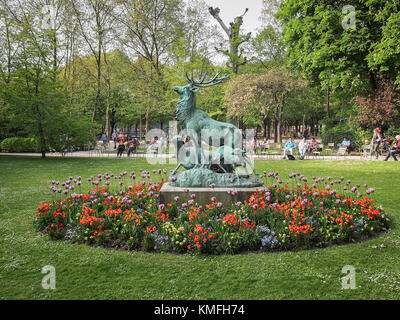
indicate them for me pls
(204, 195)
(204, 178)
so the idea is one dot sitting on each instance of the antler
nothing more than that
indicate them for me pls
(201, 83)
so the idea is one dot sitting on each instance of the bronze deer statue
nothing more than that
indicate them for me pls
(226, 138)
(196, 120)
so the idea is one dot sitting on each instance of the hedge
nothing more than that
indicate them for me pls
(18, 144)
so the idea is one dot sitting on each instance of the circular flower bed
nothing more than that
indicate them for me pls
(277, 217)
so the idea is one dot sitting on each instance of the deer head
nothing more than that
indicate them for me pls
(194, 85)
(187, 103)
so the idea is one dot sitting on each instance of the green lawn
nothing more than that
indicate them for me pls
(84, 272)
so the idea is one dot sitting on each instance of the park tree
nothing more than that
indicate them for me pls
(149, 28)
(235, 52)
(33, 95)
(266, 93)
(95, 21)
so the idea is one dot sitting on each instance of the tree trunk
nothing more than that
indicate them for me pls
(147, 125)
(107, 129)
(140, 128)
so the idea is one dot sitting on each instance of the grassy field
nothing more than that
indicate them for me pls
(84, 272)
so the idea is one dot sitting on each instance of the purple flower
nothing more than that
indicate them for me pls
(219, 204)
(193, 196)
(213, 199)
(185, 190)
(176, 199)
(161, 206)
(212, 185)
(184, 205)
(238, 204)
(191, 202)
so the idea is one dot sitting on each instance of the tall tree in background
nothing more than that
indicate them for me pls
(149, 31)
(34, 96)
(95, 20)
(234, 53)
(267, 91)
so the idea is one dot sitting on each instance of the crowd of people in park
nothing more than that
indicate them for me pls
(124, 143)
(305, 146)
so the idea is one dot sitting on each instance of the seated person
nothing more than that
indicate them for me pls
(132, 146)
(290, 145)
(153, 145)
(394, 150)
(120, 148)
(264, 145)
(313, 146)
(303, 146)
(347, 144)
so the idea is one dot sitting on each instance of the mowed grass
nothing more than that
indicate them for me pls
(84, 272)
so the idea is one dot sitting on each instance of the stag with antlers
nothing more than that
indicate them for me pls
(196, 120)
(206, 131)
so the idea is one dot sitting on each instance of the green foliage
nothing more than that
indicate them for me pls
(336, 134)
(18, 144)
(392, 132)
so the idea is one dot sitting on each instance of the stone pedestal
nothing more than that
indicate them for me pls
(204, 195)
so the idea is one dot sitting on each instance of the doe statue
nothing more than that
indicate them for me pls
(211, 151)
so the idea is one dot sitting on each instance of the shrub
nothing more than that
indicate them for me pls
(19, 144)
(337, 133)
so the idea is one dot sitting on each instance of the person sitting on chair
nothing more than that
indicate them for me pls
(303, 145)
(347, 144)
(121, 148)
(264, 145)
(395, 149)
(290, 145)
(312, 146)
